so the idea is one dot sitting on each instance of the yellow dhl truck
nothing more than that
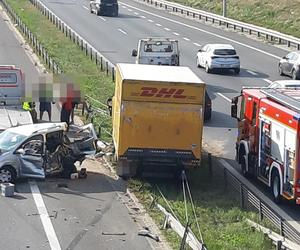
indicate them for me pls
(157, 115)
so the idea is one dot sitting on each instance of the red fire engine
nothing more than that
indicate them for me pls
(268, 139)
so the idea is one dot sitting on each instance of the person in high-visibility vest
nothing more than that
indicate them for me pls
(26, 106)
(29, 106)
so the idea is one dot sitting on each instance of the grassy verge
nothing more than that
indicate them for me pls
(283, 16)
(70, 58)
(221, 220)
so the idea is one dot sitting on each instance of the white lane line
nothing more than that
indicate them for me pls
(124, 7)
(130, 10)
(204, 31)
(225, 97)
(136, 13)
(187, 39)
(176, 34)
(42, 210)
(267, 80)
(102, 18)
(142, 17)
(167, 29)
(85, 7)
(197, 44)
(151, 21)
(157, 24)
(122, 31)
(251, 72)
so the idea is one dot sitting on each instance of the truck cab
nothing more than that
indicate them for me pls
(157, 51)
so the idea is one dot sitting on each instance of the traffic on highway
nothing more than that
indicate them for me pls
(182, 88)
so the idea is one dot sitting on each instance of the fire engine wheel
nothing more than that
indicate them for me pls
(276, 188)
(7, 174)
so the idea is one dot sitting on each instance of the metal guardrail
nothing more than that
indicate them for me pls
(265, 211)
(90, 51)
(268, 34)
(36, 45)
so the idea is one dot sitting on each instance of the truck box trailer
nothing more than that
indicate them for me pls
(157, 115)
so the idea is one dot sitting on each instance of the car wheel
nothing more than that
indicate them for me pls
(280, 71)
(237, 71)
(276, 188)
(294, 75)
(197, 62)
(7, 174)
(207, 69)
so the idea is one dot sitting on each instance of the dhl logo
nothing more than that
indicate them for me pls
(163, 92)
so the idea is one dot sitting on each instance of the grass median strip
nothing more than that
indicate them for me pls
(70, 58)
(222, 222)
(282, 16)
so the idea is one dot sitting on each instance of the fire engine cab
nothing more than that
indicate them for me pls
(268, 138)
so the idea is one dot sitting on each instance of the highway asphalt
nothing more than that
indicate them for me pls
(60, 213)
(115, 37)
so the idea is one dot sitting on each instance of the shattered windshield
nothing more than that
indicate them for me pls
(8, 140)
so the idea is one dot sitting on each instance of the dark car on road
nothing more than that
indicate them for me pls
(104, 7)
(290, 65)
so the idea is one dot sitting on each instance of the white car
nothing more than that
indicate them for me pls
(285, 84)
(218, 56)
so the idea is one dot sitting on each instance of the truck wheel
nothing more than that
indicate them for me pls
(276, 188)
(8, 174)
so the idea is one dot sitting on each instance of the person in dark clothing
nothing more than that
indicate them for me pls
(45, 106)
(66, 112)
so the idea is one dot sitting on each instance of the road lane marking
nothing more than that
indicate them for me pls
(204, 31)
(102, 18)
(85, 7)
(157, 24)
(122, 31)
(130, 10)
(136, 13)
(124, 7)
(225, 97)
(251, 72)
(167, 29)
(187, 39)
(151, 21)
(42, 210)
(267, 80)
(197, 44)
(142, 17)
(176, 34)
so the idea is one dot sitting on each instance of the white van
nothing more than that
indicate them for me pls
(157, 51)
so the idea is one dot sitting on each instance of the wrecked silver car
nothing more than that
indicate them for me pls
(40, 150)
